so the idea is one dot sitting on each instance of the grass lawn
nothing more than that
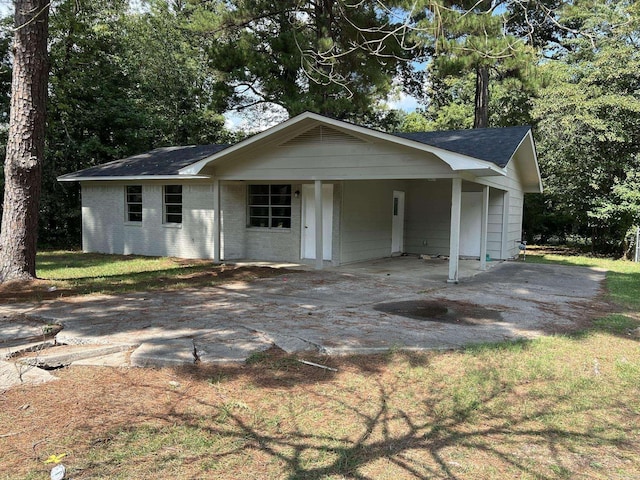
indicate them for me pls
(66, 273)
(565, 406)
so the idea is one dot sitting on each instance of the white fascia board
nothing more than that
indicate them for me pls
(455, 161)
(459, 162)
(529, 136)
(535, 159)
(132, 178)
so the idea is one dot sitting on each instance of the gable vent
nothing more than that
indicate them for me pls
(322, 135)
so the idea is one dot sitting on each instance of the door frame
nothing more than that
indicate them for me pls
(308, 199)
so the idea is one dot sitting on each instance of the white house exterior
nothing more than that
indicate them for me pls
(317, 189)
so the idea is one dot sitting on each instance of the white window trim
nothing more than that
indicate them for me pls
(269, 206)
(165, 204)
(127, 203)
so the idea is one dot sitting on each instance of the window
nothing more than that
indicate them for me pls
(270, 206)
(172, 204)
(134, 203)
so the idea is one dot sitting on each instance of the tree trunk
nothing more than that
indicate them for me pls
(25, 145)
(481, 111)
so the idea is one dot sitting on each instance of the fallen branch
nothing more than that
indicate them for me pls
(318, 365)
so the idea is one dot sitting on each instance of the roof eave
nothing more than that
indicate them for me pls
(64, 178)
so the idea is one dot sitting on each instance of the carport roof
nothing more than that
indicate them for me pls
(495, 145)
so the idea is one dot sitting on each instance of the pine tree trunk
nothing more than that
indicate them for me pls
(481, 111)
(25, 145)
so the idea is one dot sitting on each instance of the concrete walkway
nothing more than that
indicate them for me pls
(392, 303)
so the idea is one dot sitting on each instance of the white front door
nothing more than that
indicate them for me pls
(397, 223)
(470, 224)
(309, 221)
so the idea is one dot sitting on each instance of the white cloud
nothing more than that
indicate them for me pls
(403, 102)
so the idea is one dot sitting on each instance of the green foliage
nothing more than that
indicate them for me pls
(472, 48)
(121, 83)
(304, 56)
(481, 74)
(589, 125)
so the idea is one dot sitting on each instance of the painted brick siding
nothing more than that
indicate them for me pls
(102, 218)
(105, 229)
(514, 235)
(233, 197)
(269, 244)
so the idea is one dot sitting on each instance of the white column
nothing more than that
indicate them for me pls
(318, 212)
(454, 238)
(505, 226)
(216, 220)
(484, 227)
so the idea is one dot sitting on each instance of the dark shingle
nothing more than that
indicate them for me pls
(496, 145)
(161, 161)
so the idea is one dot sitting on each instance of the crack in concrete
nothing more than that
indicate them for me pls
(321, 349)
(196, 357)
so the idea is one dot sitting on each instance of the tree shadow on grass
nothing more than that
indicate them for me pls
(371, 424)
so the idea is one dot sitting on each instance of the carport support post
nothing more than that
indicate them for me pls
(216, 220)
(483, 227)
(454, 238)
(318, 212)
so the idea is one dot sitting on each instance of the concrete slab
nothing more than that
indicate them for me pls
(12, 375)
(226, 345)
(335, 311)
(164, 353)
(117, 360)
(64, 355)
(19, 329)
(21, 348)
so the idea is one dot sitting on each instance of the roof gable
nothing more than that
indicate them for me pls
(282, 132)
(321, 135)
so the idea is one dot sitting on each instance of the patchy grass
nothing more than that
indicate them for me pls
(565, 406)
(67, 273)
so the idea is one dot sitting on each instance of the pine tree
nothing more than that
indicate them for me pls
(25, 146)
(468, 36)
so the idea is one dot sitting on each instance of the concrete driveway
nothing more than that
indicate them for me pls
(371, 307)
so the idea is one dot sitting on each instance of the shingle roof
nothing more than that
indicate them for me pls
(496, 145)
(161, 161)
